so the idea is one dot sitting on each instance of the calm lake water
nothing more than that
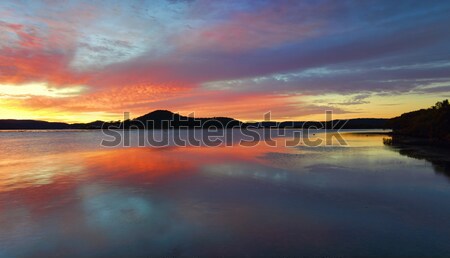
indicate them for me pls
(62, 194)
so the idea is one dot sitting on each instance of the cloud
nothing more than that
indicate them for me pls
(203, 55)
(355, 100)
(35, 57)
(264, 27)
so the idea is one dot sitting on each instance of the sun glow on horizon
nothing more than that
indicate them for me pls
(11, 91)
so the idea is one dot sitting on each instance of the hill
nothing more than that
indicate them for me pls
(431, 123)
(166, 119)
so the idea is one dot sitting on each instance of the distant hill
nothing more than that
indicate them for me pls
(431, 123)
(164, 118)
(12, 124)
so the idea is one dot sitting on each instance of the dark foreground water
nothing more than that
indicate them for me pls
(61, 194)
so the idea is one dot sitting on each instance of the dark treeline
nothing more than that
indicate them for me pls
(13, 124)
(163, 119)
(431, 123)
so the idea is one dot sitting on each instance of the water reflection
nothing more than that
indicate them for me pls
(438, 156)
(363, 199)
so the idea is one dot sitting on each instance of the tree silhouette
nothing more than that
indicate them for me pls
(432, 123)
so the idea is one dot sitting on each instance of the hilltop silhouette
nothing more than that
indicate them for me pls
(168, 119)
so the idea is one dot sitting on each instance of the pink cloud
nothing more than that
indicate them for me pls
(266, 28)
(35, 58)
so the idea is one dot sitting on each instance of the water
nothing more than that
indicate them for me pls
(62, 194)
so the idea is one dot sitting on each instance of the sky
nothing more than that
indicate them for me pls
(80, 61)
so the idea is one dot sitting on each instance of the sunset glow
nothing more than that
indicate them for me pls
(80, 61)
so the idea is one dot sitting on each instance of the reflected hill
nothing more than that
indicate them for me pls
(421, 149)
